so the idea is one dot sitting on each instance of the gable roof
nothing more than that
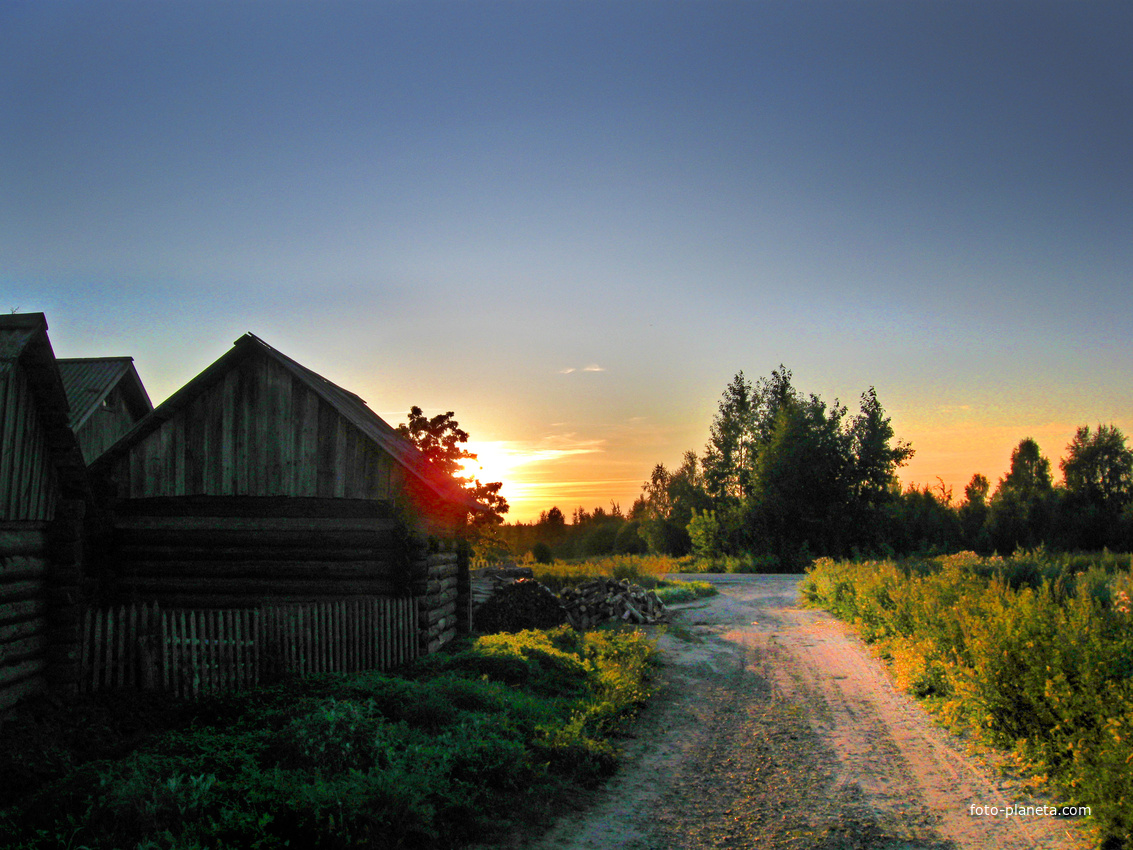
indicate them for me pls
(89, 380)
(349, 405)
(24, 343)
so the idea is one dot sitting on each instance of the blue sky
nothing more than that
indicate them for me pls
(573, 222)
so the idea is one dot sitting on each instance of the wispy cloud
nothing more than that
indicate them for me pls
(593, 367)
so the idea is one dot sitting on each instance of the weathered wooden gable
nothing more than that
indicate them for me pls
(28, 481)
(255, 429)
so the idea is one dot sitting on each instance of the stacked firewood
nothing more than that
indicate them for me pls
(523, 604)
(485, 583)
(604, 599)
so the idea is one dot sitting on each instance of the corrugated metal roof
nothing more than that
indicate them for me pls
(89, 380)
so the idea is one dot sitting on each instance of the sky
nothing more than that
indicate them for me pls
(572, 223)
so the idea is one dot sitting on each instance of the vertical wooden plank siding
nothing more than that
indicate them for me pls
(306, 418)
(28, 487)
(258, 430)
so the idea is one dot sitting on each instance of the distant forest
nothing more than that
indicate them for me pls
(786, 477)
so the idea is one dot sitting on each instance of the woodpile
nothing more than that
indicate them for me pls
(508, 599)
(487, 581)
(600, 600)
(523, 604)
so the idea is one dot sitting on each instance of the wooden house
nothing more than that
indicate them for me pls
(260, 482)
(106, 398)
(44, 496)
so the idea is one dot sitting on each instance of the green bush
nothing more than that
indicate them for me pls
(439, 756)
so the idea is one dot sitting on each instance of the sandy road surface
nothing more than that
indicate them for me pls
(777, 729)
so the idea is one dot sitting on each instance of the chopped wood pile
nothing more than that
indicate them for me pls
(523, 604)
(499, 606)
(485, 582)
(605, 599)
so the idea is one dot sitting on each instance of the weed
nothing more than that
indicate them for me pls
(1032, 653)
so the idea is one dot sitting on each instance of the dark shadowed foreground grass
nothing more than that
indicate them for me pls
(462, 747)
(1032, 654)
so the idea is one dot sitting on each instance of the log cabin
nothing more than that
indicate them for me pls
(44, 497)
(261, 481)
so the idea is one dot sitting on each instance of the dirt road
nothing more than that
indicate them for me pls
(776, 729)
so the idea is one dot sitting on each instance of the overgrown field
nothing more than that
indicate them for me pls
(1032, 654)
(461, 747)
(643, 570)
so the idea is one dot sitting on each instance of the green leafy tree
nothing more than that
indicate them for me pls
(705, 533)
(1029, 474)
(1098, 467)
(1098, 475)
(801, 487)
(670, 499)
(876, 457)
(730, 452)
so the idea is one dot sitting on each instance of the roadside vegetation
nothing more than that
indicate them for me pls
(1031, 654)
(461, 747)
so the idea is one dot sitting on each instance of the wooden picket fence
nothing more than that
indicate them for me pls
(190, 652)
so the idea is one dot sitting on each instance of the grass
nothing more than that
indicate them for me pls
(1031, 654)
(461, 747)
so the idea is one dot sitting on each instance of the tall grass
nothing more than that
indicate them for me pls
(1032, 654)
(643, 570)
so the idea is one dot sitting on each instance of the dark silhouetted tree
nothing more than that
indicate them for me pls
(1098, 475)
(440, 440)
(973, 514)
(1021, 511)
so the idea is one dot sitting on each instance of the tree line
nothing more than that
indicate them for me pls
(786, 477)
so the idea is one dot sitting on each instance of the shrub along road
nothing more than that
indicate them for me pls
(777, 729)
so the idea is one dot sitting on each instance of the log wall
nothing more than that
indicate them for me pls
(40, 551)
(438, 593)
(23, 611)
(237, 552)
